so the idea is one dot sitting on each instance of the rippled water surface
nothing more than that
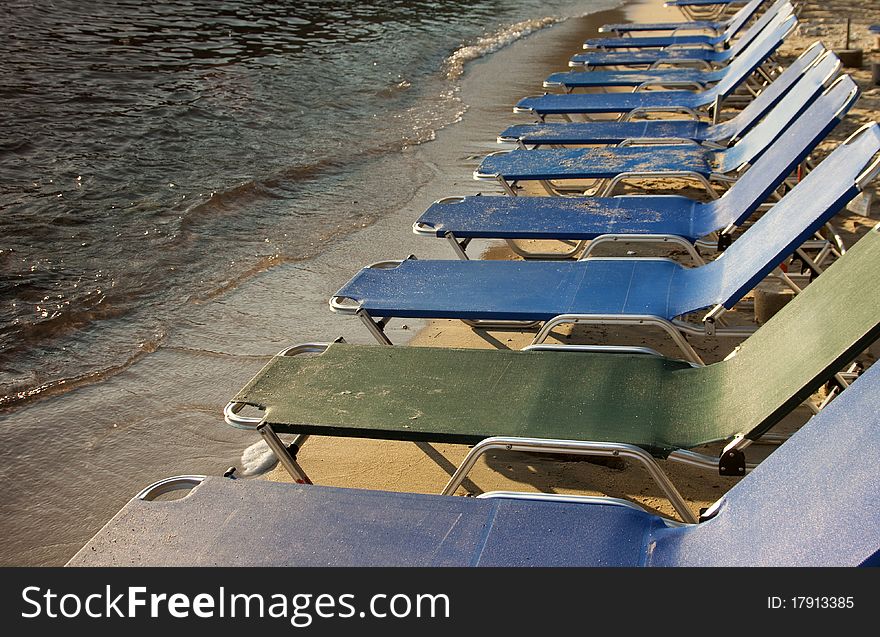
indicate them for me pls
(156, 154)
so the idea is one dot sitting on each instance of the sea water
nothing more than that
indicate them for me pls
(156, 153)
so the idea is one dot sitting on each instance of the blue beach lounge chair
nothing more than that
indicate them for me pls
(675, 27)
(645, 219)
(684, 55)
(607, 291)
(737, 22)
(698, 130)
(714, 26)
(684, 161)
(693, 79)
(710, 99)
(704, 9)
(811, 503)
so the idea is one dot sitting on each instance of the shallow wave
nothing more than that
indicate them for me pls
(16, 396)
(455, 63)
(151, 166)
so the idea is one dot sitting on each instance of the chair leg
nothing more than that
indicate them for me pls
(674, 332)
(526, 254)
(284, 455)
(459, 247)
(486, 324)
(376, 328)
(576, 447)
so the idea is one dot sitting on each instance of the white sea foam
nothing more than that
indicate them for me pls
(257, 459)
(454, 64)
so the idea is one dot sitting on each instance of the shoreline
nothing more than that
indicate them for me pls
(75, 458)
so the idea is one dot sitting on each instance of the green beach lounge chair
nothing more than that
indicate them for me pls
(613, 402)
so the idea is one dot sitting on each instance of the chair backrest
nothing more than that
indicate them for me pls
(832, 319)
(740, 18)
(734, 128)
(780, 10)
(789, 109)
(823, 328)
(812, 502)
(782, 229)
(754, 56)
(809, 126)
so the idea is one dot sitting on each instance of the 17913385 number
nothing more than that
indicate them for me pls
(810, 602)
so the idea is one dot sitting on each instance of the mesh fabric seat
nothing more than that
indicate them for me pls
(593, 103)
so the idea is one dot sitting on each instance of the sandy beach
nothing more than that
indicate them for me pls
(425, 468)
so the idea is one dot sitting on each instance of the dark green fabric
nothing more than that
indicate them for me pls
(465, 395)
(833, 320)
